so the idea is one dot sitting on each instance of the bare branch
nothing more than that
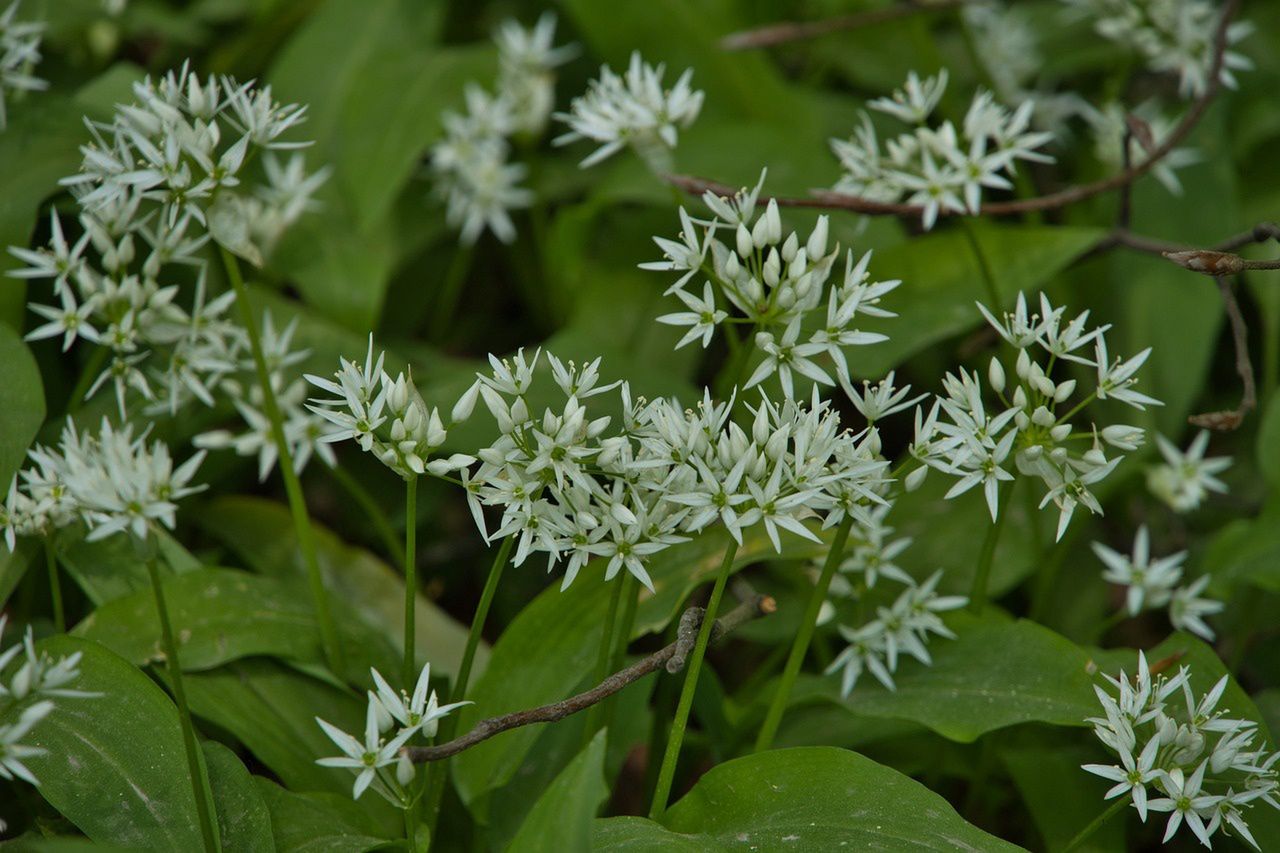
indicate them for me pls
(1232, 418)
(828, 199)
(790, 31)
(690, 622)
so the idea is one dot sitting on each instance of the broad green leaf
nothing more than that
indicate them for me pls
(942, 279)
(1246, 551)
(562, 817)
(316, 823)
(21, 403)
(564, 628)
(221, 615)
(996, 673)
(1269, 443)
(271, 709)
(114, 764)
(262, 533)
(244, 823)
(811, 798)
(109, 568)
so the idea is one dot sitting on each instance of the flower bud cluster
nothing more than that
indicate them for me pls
(1206, 769)
(1171, 36)
(377, 761)
(1028, 430)
(942, 168)
(27, 699)
(901, 627)
(471, 164)
(110, 480)
(19, 55)
(782, 287)
(632, 110)
(572, 487)
(1153, 584)
(386, 416)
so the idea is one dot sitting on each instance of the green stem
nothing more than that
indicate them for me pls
(666, 774)
(92, 368)
(358, 493)
(1046, 578)
(204, 809)
(55, 585)
(1083, 835)
(981, 577)
(800, 646)
(604, 655)
(410, 579)
(630, 600)
(292, 487)
(451, 291)
(988, 277)
(437, 770)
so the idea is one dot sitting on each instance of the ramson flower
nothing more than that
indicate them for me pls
(19, 55)
(632, 109)
(1185, 479)
(527, 59)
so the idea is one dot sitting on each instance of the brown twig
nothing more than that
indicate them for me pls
(783, 32)
(828, 199)
(671, 656)
(1231, 418)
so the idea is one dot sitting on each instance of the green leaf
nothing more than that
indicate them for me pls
(114, 764)
(109, 568)
(812, 798)
(942, 279)
(1247, 551)
(244, 823)
(221, 615)
(316, 823)
(21, 403)
(564, 628)
(996, 673)
(561, 819)
(262, 533)
(1269, 443)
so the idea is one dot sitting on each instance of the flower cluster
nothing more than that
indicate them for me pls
(392, 719)
(471, 163)
(27, 699)
(632, 109)
(110, 480)
(1171, 36)
(1110, 126)
(572, 488)
(387, 417)
(1185, 479)
(1206, 769)
(943, 169)
(1152, 584)
(904, 625)
(19, 55)
(1028, 426)
(781, 287)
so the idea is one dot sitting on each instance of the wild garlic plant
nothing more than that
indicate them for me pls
(1181, 754)
(780, 288)
(1110, 126)
(1186, 477)
(943, 168)
(1026, 431)
(1170, 36)
(632, 110)
(19, 56)
(1151, 584)
(471, 165)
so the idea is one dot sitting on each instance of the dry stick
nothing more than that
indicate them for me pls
(673, 656)
(840, 201)
(789, 31)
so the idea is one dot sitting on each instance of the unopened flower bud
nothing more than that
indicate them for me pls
(745, 245)
(995, 375)
(817, 245)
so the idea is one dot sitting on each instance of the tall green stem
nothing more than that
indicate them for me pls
(437, 771)
(451, 291)
(666, 774)
(982, 577)
(410, 579)
(800, 646)
(55, 585)
(630, 600)
(1085, 834)
(604, 655)
(204, 808)
(292, 487)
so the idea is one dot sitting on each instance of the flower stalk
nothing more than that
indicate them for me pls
(410, 577)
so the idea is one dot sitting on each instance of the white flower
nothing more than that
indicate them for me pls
(71, 321)
(633, 109)
(1115, 379)
(865, 652)
(785, 355)
(1186, 609)
(420, 712)
(1149, 584)
(12, 751)
(526, 59)
(365, 758)
(914, 102)
(703, 316)
(19, 55)
(1186, 478)
(1186, 802)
